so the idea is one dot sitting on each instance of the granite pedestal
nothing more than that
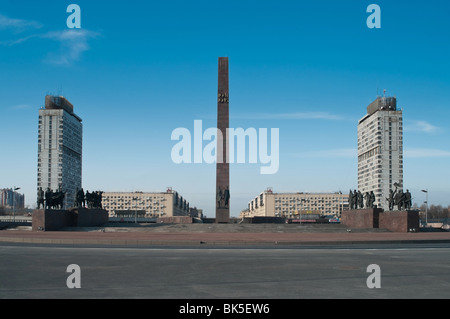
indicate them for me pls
(52, 220)
(395, 221)
(361, 218)
(400, 221)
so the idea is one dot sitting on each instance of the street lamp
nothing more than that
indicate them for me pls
(426, 207)
(14, 202)
(135, 209)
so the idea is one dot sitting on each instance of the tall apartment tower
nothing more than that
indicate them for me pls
(380, 150)
(60, 138)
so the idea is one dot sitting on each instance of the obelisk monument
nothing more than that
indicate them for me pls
(222, 163)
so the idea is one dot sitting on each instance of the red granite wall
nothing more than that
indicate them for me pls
(51, 220)
(400, 221)
(361, 218)
(89, 217)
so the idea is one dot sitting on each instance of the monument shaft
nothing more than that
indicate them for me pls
(222, 163)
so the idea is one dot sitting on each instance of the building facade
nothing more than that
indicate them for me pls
(146, 204)
(10, 199)
(380, 150)
(270, 204)
(60, 141)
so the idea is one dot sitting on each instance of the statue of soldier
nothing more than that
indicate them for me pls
(367, 198)
(48, 198)
(88, 197)
(403, 200)
(351, 203)
(226, 196)
(407, 201)
(59, 198)
(372, 199)
(360, 200)
(81, 198)
(75, 198)
(391, 199)
(96, 200)
(219, 198)
(399, 200)
(40, 198)
(100, 198)
(355, 199)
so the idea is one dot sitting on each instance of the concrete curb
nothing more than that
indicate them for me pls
(221, 235)
(196, 242)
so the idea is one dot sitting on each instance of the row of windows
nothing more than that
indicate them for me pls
(130, 197)
(301, 203)
(369, 154)
(378, 174)
(312, 205)
(312, 201)
(294, 208)
(312, 197)
(108, 207)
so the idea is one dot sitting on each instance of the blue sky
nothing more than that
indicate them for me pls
(137, 70)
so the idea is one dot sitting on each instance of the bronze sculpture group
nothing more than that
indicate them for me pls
(356, 200)
(402, 200)
(50, 199)
(91, 200)
(55, 199)
(223, 197)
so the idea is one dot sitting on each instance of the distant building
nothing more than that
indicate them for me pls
(146, 204)
(270, 204)
(10, 199)
(60, 137)
(380, 150)
(196, 212)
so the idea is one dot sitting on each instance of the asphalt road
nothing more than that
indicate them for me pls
(408, 271)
